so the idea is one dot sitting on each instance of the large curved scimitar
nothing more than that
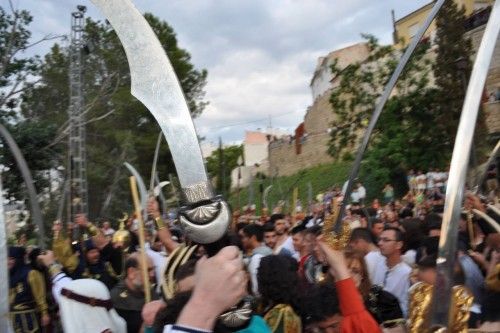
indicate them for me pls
(204, 217)
(143, 192)
(5, 324)
(28, 180)
(380, 106)
(458, 171)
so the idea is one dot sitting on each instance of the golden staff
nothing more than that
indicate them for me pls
(138, 213)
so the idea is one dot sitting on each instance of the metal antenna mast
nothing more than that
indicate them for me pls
(77, 169)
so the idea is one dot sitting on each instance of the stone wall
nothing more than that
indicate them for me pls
(493, 79)
(492, 113)
(491, 109)
(283, 158)
(284, 161)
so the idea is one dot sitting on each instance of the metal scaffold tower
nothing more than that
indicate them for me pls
(77, 169)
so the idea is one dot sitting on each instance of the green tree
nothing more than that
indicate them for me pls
(404, 137)
(19, 74)
(452, 68)
(119, 127)
(230, 156)
(15, 69)
(452, 65)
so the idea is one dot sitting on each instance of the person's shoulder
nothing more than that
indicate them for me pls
(374, 255)
(117, 290)
(285, 252)
(404, 267)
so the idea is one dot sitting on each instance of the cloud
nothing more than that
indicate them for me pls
(260, 54)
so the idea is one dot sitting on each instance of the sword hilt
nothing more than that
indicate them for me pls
(206, 223)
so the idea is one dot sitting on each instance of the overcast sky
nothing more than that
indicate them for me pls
(260, 54)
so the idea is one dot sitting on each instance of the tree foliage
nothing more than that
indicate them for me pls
(404, 137)
(18, 74)
(417, 127)
(119, 128)
(15, 69)
(452, 65)
(221, 170)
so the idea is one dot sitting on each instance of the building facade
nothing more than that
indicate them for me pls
(406, 27)
(307, 147)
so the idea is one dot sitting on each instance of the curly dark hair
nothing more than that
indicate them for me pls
(172, 311)
(277, 279)
(319, 303)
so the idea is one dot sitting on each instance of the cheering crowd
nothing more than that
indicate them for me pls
(276, 272)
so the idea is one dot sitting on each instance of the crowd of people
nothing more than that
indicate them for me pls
(271, 273)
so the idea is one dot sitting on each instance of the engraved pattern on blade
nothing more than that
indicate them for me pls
(155, 84)
(197, 192)
(237, 317)
(209, 232)
(203, 214)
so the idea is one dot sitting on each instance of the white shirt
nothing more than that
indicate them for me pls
(109, 232)
(253, 266)
(395, 280)
(430, 179)
(287, 244)
(361, 192)
(421, 182)
(372, 260)
(160, 263)
(409, 257)
(355, 196)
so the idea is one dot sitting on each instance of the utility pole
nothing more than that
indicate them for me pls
(77, 166)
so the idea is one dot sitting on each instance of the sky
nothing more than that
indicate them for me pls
(260, 54)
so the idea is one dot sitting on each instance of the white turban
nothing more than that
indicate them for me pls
(79, 317)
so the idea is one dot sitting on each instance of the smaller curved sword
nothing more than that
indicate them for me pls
(142, 189)
(264, 196)
(155, 163)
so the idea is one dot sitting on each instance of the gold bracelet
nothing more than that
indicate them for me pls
(54, 269)
(92, 229)
(159, 223)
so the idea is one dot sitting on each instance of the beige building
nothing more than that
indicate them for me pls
(477, 14)
(255, 156)
(308, 146)
(407, 26)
